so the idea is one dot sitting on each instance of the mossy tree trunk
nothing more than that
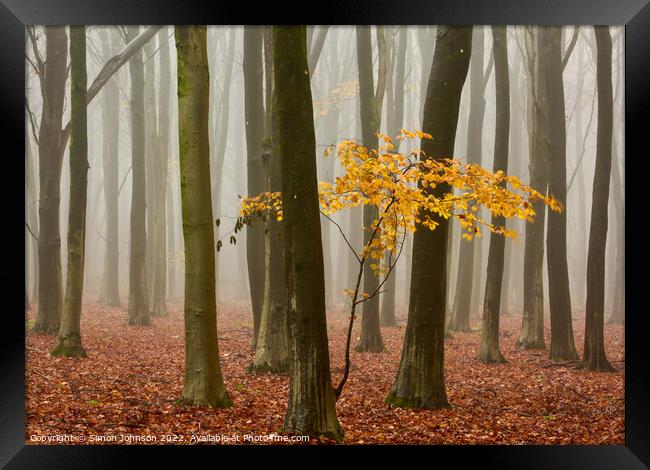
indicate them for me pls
(311, 409)
(370, 340)
(550, 55)
(594, 350)
(394, 121)
(489, 351)
(254, 120)
(138, 287)
(465, 280)
(203, 383)
(531, 335)
(50, 159)
(420, 381)
(69, 341)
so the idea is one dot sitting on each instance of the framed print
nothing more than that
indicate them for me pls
(385, 225)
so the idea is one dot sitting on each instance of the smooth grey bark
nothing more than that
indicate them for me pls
(420, 381)
(311, 408)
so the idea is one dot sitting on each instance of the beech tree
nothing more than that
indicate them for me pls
(489, 349)
(370, 340)
(420, 381)
(254, 121)
(311, 408)
(50, 155)
(594, 357)
(138, 286)
(69, 341)
(203, 383)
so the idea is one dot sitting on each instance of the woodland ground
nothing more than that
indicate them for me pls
(133, 376)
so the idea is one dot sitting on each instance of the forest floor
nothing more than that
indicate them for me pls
(126, 390)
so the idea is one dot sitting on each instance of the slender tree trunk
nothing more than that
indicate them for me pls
(311, 409)
(203, 383)
(370, 340)
(272, 343)
(489, 349)
(532, 328)
(50, 160)
(151, 153)
(420, 381)
(394, 121)
(594, 350)
(254, 118)
(562, 344)
(138, 298)
(160, 163)
(31, 210)
(69, 341)
(465, 280)
(110, 153)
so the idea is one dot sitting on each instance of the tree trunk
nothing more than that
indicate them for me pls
(50, 160)
(370, 340)
(31, 210)
(110, 152)
(138, 298)
(532, 327)
(420, 381)
(465, 279)
(69, 341)
(311, 409)
(562, 344)
(254, 117)
(594, 350)
(151, 151)
(159, 235)
(489, 348)
(203, 383)
(394, 121)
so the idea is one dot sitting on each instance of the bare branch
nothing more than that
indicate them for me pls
(32, 121)
(572, 44)
(343, 235)
(30, 231)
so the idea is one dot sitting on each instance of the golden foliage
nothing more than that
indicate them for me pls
(401, 187)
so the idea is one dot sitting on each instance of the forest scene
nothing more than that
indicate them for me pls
(324, 235)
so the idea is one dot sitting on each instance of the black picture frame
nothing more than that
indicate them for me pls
(634, 14)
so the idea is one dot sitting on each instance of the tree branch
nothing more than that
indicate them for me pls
(572, 44)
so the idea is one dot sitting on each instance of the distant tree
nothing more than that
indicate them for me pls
(272, 342)
(110, 166)
(311, 408)
(203, 383)
(420, 381)
(594, 350)
(394, 121)
(489, 348)
(531, 335)
(138, 290)
(465, 287)
(69, 341)
(254, 121)
(370, 340)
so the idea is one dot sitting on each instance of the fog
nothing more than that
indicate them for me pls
(336, 114)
